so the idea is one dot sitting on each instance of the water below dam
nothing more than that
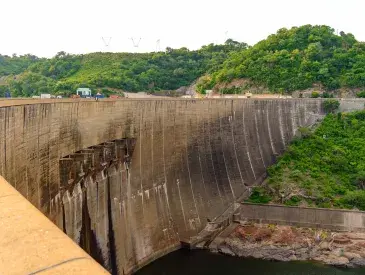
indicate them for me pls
(200, 262)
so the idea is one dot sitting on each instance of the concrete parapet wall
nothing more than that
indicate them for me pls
(31, 244)
(334, 219)
(351, 104)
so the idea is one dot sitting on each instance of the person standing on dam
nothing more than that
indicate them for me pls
(98, 95)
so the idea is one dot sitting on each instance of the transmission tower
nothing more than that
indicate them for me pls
(158, 46)
(106, 41)
(225, 36)
(135, 41)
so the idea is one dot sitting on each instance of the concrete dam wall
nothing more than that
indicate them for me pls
(128, 179)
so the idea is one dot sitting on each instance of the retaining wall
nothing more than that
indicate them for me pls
(334, 219)
(351, 104)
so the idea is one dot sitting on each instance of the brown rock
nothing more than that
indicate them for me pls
(336, 261)
(359, 262)
(293, 258)
(226, 250)
(355, 236)
(350, 255)
(262, 234)
(324, 246)
(362, 254)
(342, 240)
(296, 246)
(314, 253)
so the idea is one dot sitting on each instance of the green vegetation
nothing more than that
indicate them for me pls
(315, 95)
(331, 105)
(259, 195)
(327, 95)
(12, 65)
(151, 72)
(324, 168)
(3, 90)
(231, 90)
(297, 59)
(361, 94)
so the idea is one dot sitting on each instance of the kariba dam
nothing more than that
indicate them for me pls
(128, 180)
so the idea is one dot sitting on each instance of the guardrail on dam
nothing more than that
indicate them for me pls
(128, 179)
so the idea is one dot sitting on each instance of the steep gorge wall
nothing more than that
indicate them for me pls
(191, 159)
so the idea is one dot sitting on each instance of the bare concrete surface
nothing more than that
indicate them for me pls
(32, 244)
(334, 219)
(138, 95)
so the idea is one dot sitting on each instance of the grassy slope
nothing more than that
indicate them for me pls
(326, 168)
(96, 64)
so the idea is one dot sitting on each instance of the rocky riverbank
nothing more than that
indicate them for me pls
(285, 243)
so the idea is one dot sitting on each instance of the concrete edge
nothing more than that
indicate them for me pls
(32, 244)
(31, 101)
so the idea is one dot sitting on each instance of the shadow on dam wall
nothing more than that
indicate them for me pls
(191, 159)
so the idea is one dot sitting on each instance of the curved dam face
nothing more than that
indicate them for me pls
(129, 179)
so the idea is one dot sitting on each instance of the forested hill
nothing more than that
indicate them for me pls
(14, 64)
(295, 59)
(63, 74)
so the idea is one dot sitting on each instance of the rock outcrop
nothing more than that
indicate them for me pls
(285, 243)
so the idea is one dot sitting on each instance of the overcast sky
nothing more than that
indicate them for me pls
(45, 27)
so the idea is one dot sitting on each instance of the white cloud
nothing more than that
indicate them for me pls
(45, 27)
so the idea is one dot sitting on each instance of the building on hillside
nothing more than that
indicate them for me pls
(84, 92)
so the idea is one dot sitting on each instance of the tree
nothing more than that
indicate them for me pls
(234, 44)
(61, 54)
(331, 105)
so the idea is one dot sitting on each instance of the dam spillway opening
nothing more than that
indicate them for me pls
(90, 181)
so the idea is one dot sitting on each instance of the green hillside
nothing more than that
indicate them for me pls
(296, 59)
(10, 65)
(290, 60)
(133, 72)
(324, 168)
